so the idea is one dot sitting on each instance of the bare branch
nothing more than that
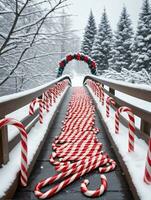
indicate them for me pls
(33, 40)
(14, 25)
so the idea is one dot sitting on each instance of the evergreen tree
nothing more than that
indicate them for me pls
(89, 35)
(101, 51)
(142, 42)
(122, 53)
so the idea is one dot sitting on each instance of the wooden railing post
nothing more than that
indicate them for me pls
(112, 91)
(145, 127)
(4, 151)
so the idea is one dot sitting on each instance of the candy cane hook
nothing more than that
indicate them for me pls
(24, 148)
(131, 125)
(94, 193)
(109, 101)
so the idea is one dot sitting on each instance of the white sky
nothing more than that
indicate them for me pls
(81, 8)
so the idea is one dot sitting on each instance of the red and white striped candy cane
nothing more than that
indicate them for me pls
(46, 102)
(32, 105)
(110, 166)
(131, 125)
(147, 174)
(94, 193)
(77, 173)
(24, 148)
(77, 143)
(109, 100)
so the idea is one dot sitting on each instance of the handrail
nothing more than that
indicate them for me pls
(13, 102)
(131, 90)
(121, 86)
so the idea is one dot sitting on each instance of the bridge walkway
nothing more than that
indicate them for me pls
(118, 188)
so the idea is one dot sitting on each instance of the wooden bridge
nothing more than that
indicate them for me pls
(124, 183)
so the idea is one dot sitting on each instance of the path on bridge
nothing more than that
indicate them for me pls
(117, 186)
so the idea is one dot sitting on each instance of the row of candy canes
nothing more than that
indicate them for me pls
(48, 98)
(76, 149)
(98, 91)
(24, 136)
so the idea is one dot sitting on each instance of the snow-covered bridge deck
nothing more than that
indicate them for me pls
(126, 182)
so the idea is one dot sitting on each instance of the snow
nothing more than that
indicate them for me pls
(19, 115)
(9, 171)
(134, 161)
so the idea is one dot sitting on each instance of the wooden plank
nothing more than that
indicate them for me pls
(4, 152)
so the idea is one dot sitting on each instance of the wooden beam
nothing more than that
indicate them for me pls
(4, 152)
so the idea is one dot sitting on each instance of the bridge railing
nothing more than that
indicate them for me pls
(11, 103)
(133, 91)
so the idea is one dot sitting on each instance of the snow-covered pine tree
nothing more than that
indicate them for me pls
(142, 42)
(102, 45)
(89, 35)
(123, 42)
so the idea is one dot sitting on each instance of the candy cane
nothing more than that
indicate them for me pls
(24, 148)
(109, 100)
(32, 105)
(147, 174)
(94, 193)
(46, 102)
(131, 125)
(77, 173)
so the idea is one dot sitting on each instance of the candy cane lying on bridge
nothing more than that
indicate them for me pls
(131, 125)
(94, 193)
(109, 100)
(23, 134)
(147, 174)
(32, 105)
(75, 174)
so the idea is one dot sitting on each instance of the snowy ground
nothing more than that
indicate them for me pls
(135, 161)
(8, 172)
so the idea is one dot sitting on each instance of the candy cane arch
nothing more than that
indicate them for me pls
(94, 193)
(32, 105)
(79, 57)
(147, 174)
(131, 125)
(24, 149)
(109, 101)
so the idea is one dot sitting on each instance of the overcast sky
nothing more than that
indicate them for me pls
(81, 8)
